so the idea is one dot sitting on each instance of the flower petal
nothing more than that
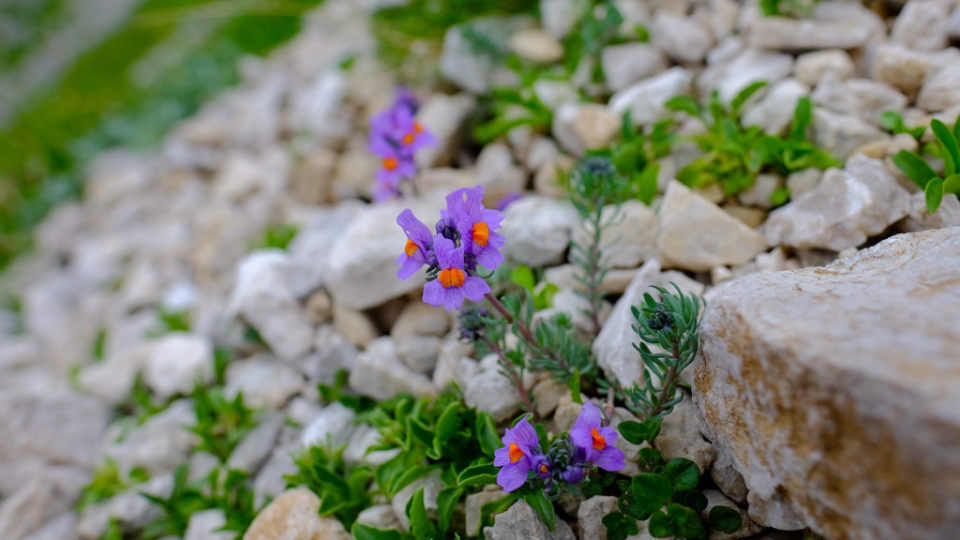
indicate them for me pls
(448, 255)
(474, 288)
(610, 459)
(523, 434)
(410, 266)
(501, 456)
(513, 476)
(453, 298)
(589, 417)
(433, 293)
(414, 228)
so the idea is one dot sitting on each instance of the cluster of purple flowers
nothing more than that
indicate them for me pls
(566, 462)
(465, 239)
(395, 136)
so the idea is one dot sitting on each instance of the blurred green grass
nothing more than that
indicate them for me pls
(102, 100)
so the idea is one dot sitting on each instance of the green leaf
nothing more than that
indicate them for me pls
(687, 522)
(575, 387)
(523, 276)
(915, 167)
(619, 526)
(685, 104)
(487, 433)
(420, 525)
(447, 501)
(447, 424)
(365, 532)
(725, 519)
(647, 183)
(780, 196)
(478, 475)
(628, 505)
(544, 298)
(683, 473)
(661, 525)
(543, 507)
(638, 432)
(934, 194)
(691, 498)
(951, 159)
(952, 184)
(891, 121)
(745, 95)
(802, 115)
(651, 491)
(409, 476)
(770, 8)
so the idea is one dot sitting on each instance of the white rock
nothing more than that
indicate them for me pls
(536, 45)
(840, 133)
(380, 374)
(920, 219)
(748, 67)
(177, 363)
(471, 70)
(363, 438)
(560, 16)
(538, 230)
(474, 502)
(774, 112)
(591, 513)
(682, 39)
(803, 181)
(313, 243)
(613, 346)
(419, 319)
(60, 528)
(159, 445)
(626, 64)
(269, 481)
(129, 508)
(204, 525)
(922, 25)
(267, 303)
(354, 325)
(846, 208)
(419, 353)
(40, 500)
(442, 116)
(265, 382)
(774, 512)
(112, 379)
(901, 67)
(331, 428)
(431, 485)
(680, 436)
(555, 93)
(941, 90)
(492, 392)
(629, 236)
(380, 516)
(724, 474)
(579, 127)
(455, 365)
(520, 522)
(777, 371)
(257, 445)
(696, 234)
(862, 97)
(811, 67)
(541, 152)
(727, 49)
(645, 99)
(294, 515)
(498, 174)
(792, 34)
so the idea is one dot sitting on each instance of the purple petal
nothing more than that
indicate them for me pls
(523, 434)
(433, 293)
(490, 257)
(453, 298)
(414, 228)
(513, 476)
(501, 456)
(589, 417)
(409, 266)
(582, 438)
(610, 459)
(474, 288)
(609, 434)
(473, 205)
(448, 255)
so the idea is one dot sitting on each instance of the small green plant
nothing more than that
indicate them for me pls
(99, 346)
(735, 155)
(893, 122)
(170, 321)
(114, 532)
(790, 8)
(591, 34)
(524, 276)
(221, 423)
(140, 404)
(514, 107)
(275, 236)
(343, 491)
(107, 482)
(917, 169)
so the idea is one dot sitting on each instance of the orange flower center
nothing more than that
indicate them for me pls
(515, 453)
(544, 469)
(452, 277)
(417, 128)
(390, 163)
(480, 233)
(599, 443)
(408, 139)
(410, 248)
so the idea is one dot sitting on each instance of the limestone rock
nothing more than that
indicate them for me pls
(629, 239)
(131, 509)
(866, 98)
(265, 382)
(469, 69)
(747, 527)
(204, 524)
(313, 243)
(520, 522)
(380, 516)
(846, 208)
(294, 515)
(724, 474)
(419, 319)
(381, 375)
(696, 234)
(841, 134)
(40, 500)
(256, 446)
(536, 45)
(811, 67)
(591, 514)
(941, 90)
(59, 528)
(330, 429)
(177, 363)
(537, 230)
(797, 34)
(774, 112)
(442, 116)
(626, 64)
(803, 398)
(419, 353)
(475, 502)
(560, 16)
(584, 126)
(498, 174)
(680, 436)
(490, 391)
(922, 26)
(645, 99)
(112, 379)
(159, 445)
(901, 67)
(920, 219)
(682, 39)
(747, 67)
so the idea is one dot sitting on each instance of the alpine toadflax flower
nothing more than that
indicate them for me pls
(596, 440)
(395, 136)
(466, 238)
(519, 456)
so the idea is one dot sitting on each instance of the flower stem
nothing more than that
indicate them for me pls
(668, 381)
(524, 331)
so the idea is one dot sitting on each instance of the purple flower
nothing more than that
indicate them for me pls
(477, 225)
(405, 98)
(393, 169)
(520, 455)
(419, 248)
(452, 283)
(505, 201)
(597, 441)
(396, 131)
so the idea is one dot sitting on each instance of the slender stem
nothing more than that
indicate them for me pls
(608, 408)
(668, 380)
(593, 287)
(525, 331)
(514, 376)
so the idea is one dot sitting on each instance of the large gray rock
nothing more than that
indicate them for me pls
(922, 25)
(747, 67)
(827, 404)
(846, 208)
(941, 90)
(696, 234)
(294, 515)
(626, 64)
(865, 98)
(842, 133)
(494, 393)
(161, 444)
(40, 500)
(380, 374)
(645, 99)
(682, 39)
(538, 230)
(629, 234)
(131, 509)
(177, 363)
(469, 68)
(830, 28)
(520, 522)
(60, 428)
(264, 382)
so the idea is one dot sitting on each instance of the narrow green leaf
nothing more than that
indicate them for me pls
(447, 501)
(478, 475)
(420, 524)
(688, 524)
(366, 532)
(725, 519)
(651, 491)
(951, 159)
(407, 477)
(487, 433)
(685, 104)
(802, 116)
(952, 184)
(523, 276)
(647, 183)
(575, 387)
(683, 473)
(745, 95)
(915, 167)
(543, 507)
(447, 424)
(661, 525)
(934, 194)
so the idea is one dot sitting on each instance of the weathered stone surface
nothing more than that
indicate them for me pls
(536, 45)
(629, 235)
(490, 391)
(841, 134)
(941, 90)
(520, 522)
(538, 230)
(696, 234)
(293, 516)
(40, 500)
(264, 381)
(380, 516)
(177, 363)
(160, 444)
(381, 375)
(626, 64)
(922, 25)
(747, 67)
(775, 111)
(461, 64)
(680, 436)
(682, 39)
(579, 127)
(203, 526)
(811, 67)
(830, 402)
(845, 209)
(591, 514)
(474, 502)
(645, 99)
(865, 98)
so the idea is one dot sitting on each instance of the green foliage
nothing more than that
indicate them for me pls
(275, 236)
(106, 482)
(113, 531)
(892, 121)
(917, 169)
(227, 491)
(671, 325)
(140, 404)
(790, 8)
(342, 490)
(99, 345)
(596, 29)
(514, 107)
(221, 423)
(170, 321)
(523, 276)
(735, 155)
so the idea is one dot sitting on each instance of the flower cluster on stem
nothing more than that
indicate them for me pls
(395, 136)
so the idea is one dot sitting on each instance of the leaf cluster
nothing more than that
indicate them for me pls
(221, 422)
(343, 490)
(106, 482)
(224, 490)
(893, 122)
(595, 29)
(524, 276)
(514, 107)
(275, 236)
(734, 155)
(917, 169)
(667, 496)
(671, 325)
(789, 8)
